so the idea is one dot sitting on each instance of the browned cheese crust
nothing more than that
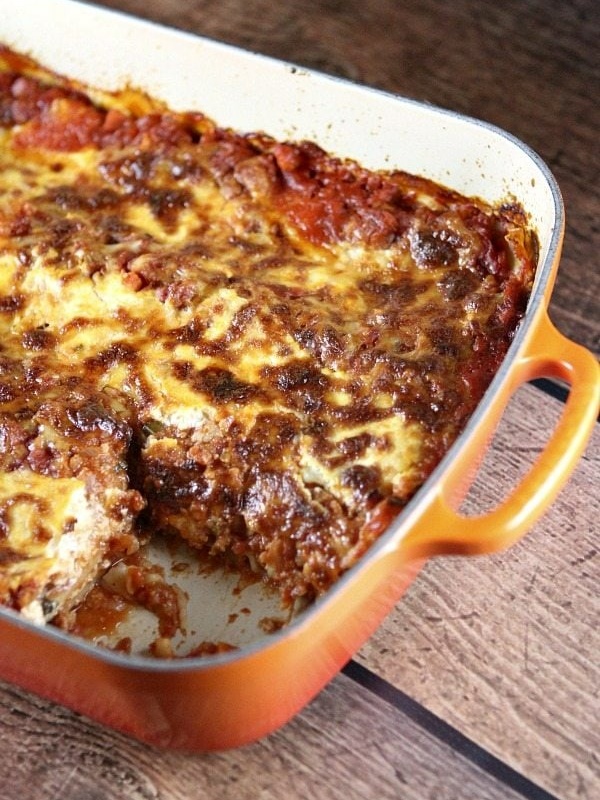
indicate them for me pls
(266, 347)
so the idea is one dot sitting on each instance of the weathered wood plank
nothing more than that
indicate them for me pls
(347, 744)
(505, 647)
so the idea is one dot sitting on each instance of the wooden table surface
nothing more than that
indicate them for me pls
(484, 681)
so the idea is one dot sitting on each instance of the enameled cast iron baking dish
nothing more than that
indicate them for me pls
(234, 697)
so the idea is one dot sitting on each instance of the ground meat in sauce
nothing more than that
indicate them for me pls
(234, 380)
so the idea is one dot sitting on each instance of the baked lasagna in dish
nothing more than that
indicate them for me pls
(248, 344)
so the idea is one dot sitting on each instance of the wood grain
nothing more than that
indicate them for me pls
(506, 647)
(345, 745)
(529, 66)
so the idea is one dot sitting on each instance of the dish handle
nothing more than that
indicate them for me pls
(444, 531)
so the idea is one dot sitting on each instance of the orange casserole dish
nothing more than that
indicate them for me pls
(231, 696)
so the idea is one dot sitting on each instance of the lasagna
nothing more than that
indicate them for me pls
(248, 344)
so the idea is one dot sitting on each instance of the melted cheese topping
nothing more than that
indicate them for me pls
(55, 535)
(293, 341)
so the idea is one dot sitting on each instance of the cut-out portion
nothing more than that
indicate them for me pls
(172, 602)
